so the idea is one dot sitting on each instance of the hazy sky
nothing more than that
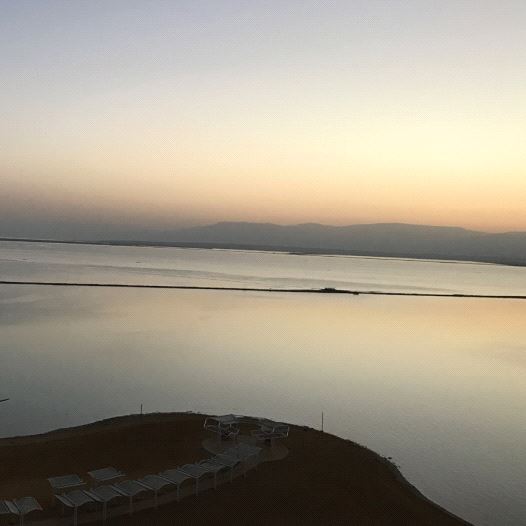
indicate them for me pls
(117, 115)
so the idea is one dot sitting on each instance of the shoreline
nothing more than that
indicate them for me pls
(327, 290)
(370, 470)
(293, 251)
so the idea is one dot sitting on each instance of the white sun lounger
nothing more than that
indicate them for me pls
(74, 500)
(20, 507)
(104, 494)
(176, 477)
(105, 474)
(65, 482)
(130, 489)
(196, 472)
(154, 483)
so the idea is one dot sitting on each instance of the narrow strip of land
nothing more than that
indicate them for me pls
(327, 290)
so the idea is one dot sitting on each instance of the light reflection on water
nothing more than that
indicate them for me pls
(438, 384)
(230, 268)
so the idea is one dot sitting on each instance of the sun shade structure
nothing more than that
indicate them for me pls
(20, 507)
(104, 494)
(243, 451)
(105, 474)
(212, 467)
(225, 426)
(74, 500)
(227, 462)
(196, 472)
(232, 456)
(175, 477)
(65, 482)
(270, 430)
(130, 489)
(154, 483)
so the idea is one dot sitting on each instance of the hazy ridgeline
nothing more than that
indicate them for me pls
(376, 239)
(384, 240)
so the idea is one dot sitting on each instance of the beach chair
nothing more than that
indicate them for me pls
(224, 426)
(175, 477)
(105, 474)
(19, 507)
(104, 494)
(154, 483)
(74, 500)
(130, 489)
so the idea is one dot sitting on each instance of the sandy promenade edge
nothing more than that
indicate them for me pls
(324, 480)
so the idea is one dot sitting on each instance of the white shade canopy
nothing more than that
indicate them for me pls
(65, 481)
(104, 493)
(75, 498)
(104, 474)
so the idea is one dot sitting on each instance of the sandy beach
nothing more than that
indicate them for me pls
(323, 480)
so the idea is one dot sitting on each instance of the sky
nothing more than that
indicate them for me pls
(122, 117)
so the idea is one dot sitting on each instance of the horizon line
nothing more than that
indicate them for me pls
(153, 231)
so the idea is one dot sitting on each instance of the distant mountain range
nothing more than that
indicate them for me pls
(383, 239)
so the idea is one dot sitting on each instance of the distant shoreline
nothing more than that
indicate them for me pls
(294, 251)
(327, 290)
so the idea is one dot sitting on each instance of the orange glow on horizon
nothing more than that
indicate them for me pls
(355, 125)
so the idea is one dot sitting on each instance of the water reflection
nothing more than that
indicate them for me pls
(438, 384)
(230, 268)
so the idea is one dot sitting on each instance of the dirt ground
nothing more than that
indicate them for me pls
(323, 480)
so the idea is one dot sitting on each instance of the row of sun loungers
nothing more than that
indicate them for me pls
(105, 489)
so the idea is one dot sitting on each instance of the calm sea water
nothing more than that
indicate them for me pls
(436, 383)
